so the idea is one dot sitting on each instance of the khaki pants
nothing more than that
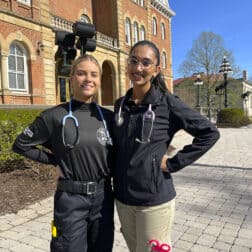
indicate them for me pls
(140, 224)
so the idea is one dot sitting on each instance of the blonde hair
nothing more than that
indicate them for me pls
(84, 57)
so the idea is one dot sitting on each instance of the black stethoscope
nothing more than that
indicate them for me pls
(148, 117)
(76, 124)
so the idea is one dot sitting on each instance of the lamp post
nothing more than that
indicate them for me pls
(225, 68)
(198, 82)
(219, 92)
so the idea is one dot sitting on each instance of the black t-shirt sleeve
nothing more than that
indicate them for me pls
(31, 141)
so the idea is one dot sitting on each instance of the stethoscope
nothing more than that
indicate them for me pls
(76, 124)
(148, 116)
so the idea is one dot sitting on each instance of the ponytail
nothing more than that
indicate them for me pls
(159, 82)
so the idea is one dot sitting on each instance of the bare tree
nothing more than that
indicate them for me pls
(205, 57)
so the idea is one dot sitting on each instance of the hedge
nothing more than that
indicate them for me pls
(12, 123)
(232, 117)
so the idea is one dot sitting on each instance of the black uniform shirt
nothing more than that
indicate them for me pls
(89, 160)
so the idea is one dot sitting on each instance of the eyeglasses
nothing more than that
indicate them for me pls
(144, 62)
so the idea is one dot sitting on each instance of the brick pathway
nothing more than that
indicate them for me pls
(213, 204)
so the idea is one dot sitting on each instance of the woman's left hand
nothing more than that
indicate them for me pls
(163, 165)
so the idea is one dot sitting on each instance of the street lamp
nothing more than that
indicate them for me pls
(198, 82)
(225, 68)
(219, 92)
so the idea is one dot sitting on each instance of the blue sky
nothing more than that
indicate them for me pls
(232, 20)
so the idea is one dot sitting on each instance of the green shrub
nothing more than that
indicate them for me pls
(12, 123)
(233, 117)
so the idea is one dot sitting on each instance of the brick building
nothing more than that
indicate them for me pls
(31, 74)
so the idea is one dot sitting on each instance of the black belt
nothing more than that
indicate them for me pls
(80, 187)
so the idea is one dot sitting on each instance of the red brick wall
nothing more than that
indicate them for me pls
(35, 67)
(163, 44)
(137, 13)
(22, 9)
(104, 18)
(70, 10)
(5, 5)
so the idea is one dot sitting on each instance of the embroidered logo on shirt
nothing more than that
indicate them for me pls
(101, 136)
(28, 132)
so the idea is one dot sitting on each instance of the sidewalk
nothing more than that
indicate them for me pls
(213, 204)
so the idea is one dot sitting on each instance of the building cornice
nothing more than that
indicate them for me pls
(247, 83)
(165, 10)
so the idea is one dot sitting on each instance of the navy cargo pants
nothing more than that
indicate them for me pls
(84, 223)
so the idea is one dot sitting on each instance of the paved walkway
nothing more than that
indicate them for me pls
(214, 204)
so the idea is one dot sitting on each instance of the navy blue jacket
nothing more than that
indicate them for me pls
(138, 178)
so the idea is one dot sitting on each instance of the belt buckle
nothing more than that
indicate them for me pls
(91, 188)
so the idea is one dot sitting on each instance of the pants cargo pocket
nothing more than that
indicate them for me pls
(56, 242)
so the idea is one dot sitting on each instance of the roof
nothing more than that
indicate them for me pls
(178, 81)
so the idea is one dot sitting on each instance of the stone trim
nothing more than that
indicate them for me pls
(162, 8)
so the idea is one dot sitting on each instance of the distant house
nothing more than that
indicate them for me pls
(187, 91)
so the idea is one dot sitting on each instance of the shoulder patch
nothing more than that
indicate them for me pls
(28, 132)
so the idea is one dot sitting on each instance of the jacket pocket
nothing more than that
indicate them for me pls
(143, 175)
(155, 171)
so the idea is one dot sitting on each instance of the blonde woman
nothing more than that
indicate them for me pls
(77, 135)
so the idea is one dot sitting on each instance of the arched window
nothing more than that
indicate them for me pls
(163, 60)
(163, 31)
(127, 31)
(141, 3)
(142, 33)
(85, 19)
(135, 32)
(17, 68)
(154, 26)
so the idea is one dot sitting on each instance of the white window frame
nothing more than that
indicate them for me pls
(142, 33)
(127, 31)
(154, 26)
(163, 31)
(26, 2)
(16, 72)
(135, 32)
(164, 59)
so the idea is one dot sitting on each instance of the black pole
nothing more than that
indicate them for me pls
(198, 82)
(225, 90)
(198, 96)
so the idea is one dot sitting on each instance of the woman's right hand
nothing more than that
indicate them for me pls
(59, 173)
